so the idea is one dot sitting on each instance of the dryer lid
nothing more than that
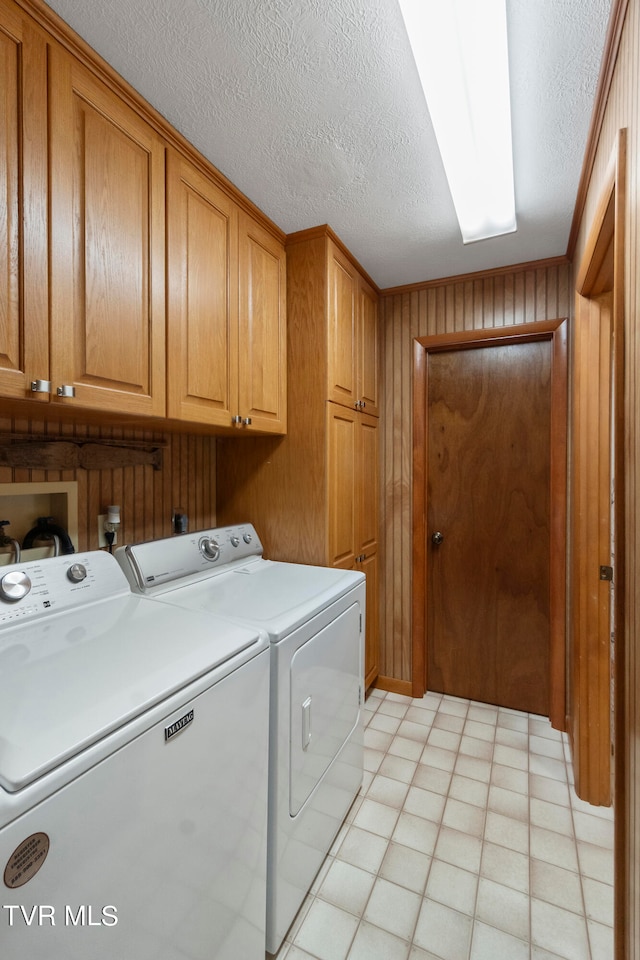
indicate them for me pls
(268, 594)
(69, 680)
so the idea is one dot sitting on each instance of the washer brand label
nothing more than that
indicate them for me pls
(26, 860)
(178, 725)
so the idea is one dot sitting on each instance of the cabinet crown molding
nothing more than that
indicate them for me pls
(60, 31)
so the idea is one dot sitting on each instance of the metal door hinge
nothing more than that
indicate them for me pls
(606, 573)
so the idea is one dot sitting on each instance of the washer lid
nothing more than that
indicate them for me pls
(269, 594)
(68, 681)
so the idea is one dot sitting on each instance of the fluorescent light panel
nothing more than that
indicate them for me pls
(460, 49)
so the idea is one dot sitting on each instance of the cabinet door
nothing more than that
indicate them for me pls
(342, 473)
(24, 323)
(368, 348)
(342, 291)
(369, 567)
(202, 264)
(107, 252)
(367, 485)
(262, 331)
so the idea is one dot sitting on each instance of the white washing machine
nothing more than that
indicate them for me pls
(133, 774)
(314, 618)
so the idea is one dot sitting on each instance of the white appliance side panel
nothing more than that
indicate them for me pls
(325, 702)
(298, 845)
(170, 836)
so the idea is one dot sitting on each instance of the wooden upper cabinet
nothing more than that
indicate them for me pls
(202, 245)
(352, 332)
(107, 246)
(368, 378)
(342, 290)
(262, 336)
(226, 319)
(24, 318)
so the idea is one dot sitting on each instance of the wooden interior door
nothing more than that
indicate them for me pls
(488, 495)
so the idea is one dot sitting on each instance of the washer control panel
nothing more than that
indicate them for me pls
(43, 587)
(155, 563)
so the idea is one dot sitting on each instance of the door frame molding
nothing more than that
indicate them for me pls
(556, 332)
(606, 238)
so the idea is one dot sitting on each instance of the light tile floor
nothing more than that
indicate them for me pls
(467, 842)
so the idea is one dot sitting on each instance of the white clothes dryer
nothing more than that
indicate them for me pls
(314, 618)
(133, 789)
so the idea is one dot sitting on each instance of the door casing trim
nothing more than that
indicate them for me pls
(556, 332)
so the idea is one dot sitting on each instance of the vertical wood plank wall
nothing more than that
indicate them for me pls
(146, 496)
(623, 110)
(498, 298)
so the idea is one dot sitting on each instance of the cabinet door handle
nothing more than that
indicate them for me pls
(247, 421)
(236, 419)
(41, 386)
(66, 390)
(363, 403)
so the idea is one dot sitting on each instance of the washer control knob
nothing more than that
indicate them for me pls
(247, 537)
(235, 541)
(209, 548)
(14, 586)
(77, 572)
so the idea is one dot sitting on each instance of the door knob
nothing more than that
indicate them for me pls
(437, 538)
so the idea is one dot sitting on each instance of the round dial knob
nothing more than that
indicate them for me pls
(14, 586)
(77, 572)
(209, 548)
(235, 541)
(247, 537)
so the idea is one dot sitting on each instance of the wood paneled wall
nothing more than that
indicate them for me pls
(623, 110)
(498, 298)
(146, 496)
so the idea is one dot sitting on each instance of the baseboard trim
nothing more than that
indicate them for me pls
(391, 685)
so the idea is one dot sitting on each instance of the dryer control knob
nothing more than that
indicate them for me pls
(235, 541)
(77, 572)
(247, 537)
(14, 586)
(209, 548)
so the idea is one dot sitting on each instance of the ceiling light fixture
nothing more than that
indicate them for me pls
(460, 49)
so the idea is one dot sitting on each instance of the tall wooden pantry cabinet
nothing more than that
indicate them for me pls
(313, 495)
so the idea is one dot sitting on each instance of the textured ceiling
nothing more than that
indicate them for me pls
(313, 109)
